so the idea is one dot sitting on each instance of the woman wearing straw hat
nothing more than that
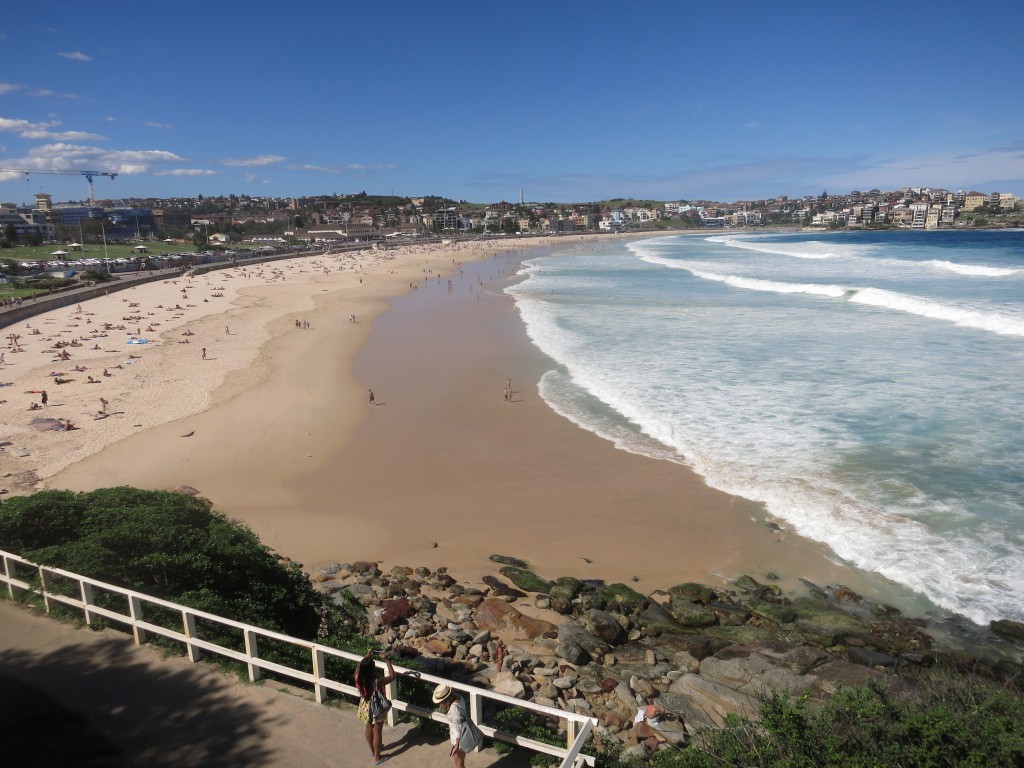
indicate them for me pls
(446, 698)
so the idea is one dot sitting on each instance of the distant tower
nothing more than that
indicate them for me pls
(44, 202)
(521, 201)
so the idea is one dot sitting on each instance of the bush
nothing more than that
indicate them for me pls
(944, 721)
(171, 546)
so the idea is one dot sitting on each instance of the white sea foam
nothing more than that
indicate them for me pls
(753, 284)
(973, 270)
(808, 249)
(994, 322)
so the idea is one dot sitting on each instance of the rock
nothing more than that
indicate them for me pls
(500, 588)
(826, 627)
(780, 614)
(572, 630)
(365, 567)
(695, 593)
(506, 560)
(868, 658)
(363, 593)
(325, 572)
(613, 719)
(641, 687)
(685, 661)
(482, 637)
(561, 605)
(565, 587)
(508, 684)
(562, 683)
(525, 579)
(470, 600)
(1008, 629)
(730, 614)
(497, 615)
(328, 587)
(690, 614)
(589, 687)
(755, 674)
(437, 646)
(185, 490)
(543, 602)
(605, 627)
(627, 598)
(748, 584)
(658, 620)
(703, 702)
(572, 652)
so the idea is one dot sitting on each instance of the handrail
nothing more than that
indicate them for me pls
(578, 727)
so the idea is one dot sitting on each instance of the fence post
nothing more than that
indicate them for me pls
(476, 712)
(135, 609)
(86, 589)
(318, 672)
(9, 575)
(252, 650)
(572, 728)
(189, 621)
(42, 588)
(392, 689)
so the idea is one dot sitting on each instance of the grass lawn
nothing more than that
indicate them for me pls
(91, 251)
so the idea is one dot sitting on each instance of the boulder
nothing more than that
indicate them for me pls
(685, 661)
(691, 615)
(395, 611)
(572, 630)
(566, 588)
(730, 614)
(525, 579)
(627, 598)
(506, 560)
(827, 628)
(695, 593)
(437, 646)
(657, 620)
(755, 674)
(363, 593)
(572, 652)
(777, 612)
(703, 702)
(868, 658)
(497, 615)
(1008, 630)
(605, 627)
(508, 684)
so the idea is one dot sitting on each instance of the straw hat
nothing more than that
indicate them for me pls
(441, 693)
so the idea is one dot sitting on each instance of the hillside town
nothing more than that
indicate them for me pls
(361, 217)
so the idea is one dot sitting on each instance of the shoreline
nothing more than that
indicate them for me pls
(440, 459)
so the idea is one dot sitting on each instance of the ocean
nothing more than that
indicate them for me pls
(866, 387)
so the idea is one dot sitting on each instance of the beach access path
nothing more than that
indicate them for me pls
(167, 711)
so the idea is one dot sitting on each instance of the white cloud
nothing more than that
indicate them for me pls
(155, 124)
(62, 135)
(349, 168)
(10, 87)
(61, 156)
(74, 56)
(254, 162)
(19, 125)
(186, 172)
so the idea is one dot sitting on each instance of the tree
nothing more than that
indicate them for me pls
(10, 234)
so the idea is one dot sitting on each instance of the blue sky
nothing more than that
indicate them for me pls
(570, 101)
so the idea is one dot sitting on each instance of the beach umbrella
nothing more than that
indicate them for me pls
(59, 253)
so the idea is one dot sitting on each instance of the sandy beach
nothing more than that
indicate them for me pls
(275, 426)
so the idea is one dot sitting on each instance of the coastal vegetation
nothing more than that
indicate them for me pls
(744, 677)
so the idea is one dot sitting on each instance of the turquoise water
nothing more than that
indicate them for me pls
(866, 387)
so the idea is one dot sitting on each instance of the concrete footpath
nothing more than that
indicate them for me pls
(169, 712)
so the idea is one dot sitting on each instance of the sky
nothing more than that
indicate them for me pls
(568, 102)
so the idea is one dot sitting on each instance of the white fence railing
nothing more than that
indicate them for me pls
(577, 727)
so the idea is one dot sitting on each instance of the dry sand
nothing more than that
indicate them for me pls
(441, 471)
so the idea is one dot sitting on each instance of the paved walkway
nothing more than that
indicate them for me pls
(170, 712)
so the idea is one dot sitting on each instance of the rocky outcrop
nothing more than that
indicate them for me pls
(697, 652)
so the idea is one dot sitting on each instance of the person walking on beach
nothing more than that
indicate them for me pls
(373, 705)
(460, 726)
(43, 397)
(371, 398)
(103, 405)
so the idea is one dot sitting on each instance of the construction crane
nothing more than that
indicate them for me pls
(88, 177)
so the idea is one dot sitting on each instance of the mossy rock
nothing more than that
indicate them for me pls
(1008, 630)
(515, 562)
(691, 615)
(525, 579)
(692, 591)
(748, 584)
(628, 599)
(744, 634)
(826, 628)
(780, 614)
(566, 587)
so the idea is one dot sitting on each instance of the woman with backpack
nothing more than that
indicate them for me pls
(374, 704)
(464, 735)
